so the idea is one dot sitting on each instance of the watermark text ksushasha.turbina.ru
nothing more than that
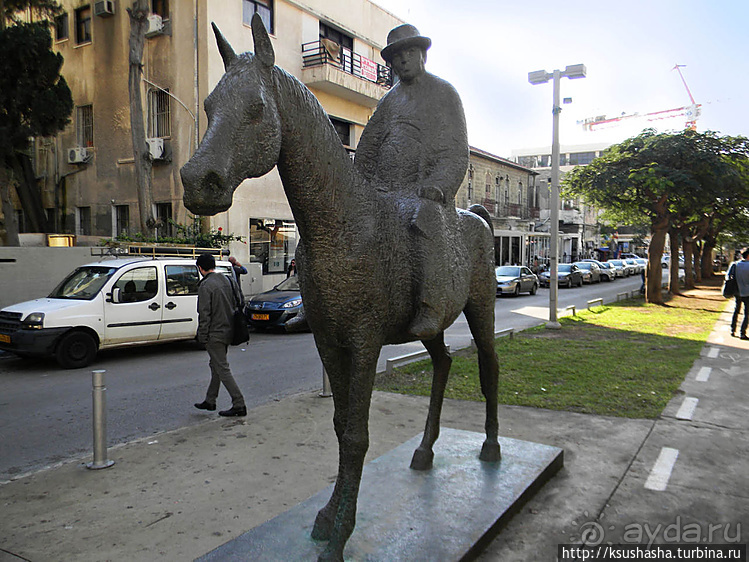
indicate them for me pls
(652, 553)
(594, 533)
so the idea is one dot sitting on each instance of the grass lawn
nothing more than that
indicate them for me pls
(624, 359)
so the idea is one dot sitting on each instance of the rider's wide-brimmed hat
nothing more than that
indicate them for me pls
(404, 36)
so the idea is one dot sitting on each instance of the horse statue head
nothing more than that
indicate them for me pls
(241, 107)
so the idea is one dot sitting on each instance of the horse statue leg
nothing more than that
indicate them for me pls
(335, 363)
(441, 361)
(480, 317)
(358, 366)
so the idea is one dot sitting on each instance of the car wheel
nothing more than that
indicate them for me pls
(580, 283)
(534, 288)
(516, 292)
(75, 350)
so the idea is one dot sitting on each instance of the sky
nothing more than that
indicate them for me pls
(486, 48)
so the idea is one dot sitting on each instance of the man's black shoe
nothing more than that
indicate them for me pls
(233, 412)
(743, 337)
(205, 406)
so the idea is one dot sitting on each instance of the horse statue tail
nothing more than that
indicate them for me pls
(481, 211)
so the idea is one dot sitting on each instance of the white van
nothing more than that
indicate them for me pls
(106, 304)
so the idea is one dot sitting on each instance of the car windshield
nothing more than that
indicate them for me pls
(289, 284)
(565, 267)
(583, 264)
(84, 283)
(508, 271)
(616, 262)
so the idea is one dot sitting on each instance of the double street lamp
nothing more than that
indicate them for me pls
(541, 77)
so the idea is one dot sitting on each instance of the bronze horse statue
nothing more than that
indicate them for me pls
(353, 256)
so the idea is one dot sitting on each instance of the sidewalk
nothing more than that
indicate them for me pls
(178, 495)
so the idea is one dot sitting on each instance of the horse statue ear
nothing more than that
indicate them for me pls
(263, 46)
(227, 53)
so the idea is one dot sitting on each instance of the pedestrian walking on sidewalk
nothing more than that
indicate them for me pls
(731, 274)
(216, 304)
(742, 278)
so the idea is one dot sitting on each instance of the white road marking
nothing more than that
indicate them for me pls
(703, 374)
(686, 410)
(661, 473)
(713, 353)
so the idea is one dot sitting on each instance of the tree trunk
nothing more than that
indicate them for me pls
(143, 164)
(9, 212)
(653, 282)
(674, 286)
(28, 192)
(707, 261)
(688, 262)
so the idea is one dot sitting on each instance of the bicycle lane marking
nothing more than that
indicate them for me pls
(661, 471)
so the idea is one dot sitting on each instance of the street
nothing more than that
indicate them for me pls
(45, 411)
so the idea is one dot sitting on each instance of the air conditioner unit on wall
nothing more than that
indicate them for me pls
(104, 8)
(77, 155)
(156, 148)
(155, 25)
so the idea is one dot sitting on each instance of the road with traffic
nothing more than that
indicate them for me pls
(45, 411)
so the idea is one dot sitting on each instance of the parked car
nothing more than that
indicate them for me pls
(607, 270)
(617, 266)
(515, 279)
(643, 263)
(626, 268)
(111, 303)
(568, 275)
(637, 267)
(591, 272)
(278, 308)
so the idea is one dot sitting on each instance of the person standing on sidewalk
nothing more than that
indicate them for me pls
(742, 278)
(731, 274)
(216, 304)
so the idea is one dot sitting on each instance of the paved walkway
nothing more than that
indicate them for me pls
(177, 495)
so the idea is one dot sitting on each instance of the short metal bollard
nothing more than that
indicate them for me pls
(326, 391)
(99, 393)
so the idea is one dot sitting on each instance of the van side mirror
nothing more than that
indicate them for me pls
(116, 295)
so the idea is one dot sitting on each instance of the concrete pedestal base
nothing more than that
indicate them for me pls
(448, 513)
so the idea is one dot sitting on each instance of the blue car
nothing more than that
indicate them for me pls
(281, 307)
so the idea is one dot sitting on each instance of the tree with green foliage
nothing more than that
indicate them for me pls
(674, 180)
(34, 101)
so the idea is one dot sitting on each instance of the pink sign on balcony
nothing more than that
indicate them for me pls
(369, 69)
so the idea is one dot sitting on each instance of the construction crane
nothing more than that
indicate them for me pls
(690, 112)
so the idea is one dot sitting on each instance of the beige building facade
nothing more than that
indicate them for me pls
(87, 172)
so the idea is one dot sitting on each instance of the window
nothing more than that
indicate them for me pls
(159, 121)
(83, 25)
(83, 220)
(160, 8)
(121, 219)
(507, 190)
(61, 27)
(84, 125)
(182, 280)
(50, 214)
(346, 42)
(263, 8)
(164, 216)
(343, 129)
(138, 285)
(272, 243)
(520, 193)
(497, 189)
(581, 158)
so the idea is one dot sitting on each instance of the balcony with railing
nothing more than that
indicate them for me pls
(339, 71)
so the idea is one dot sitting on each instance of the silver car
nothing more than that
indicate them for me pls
(607, 271)
(515, 279)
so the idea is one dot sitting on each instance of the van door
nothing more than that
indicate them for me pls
(138, 314)
(180, 316)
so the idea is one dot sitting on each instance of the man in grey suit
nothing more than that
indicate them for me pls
(216, 304)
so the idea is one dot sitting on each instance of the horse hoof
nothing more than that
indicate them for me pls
(323, 527)
(422, 459)
(330, 557)
(490, 452)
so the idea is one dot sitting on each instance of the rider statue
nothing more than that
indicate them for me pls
(416, 144)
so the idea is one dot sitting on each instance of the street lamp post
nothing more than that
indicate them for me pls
(541, 77)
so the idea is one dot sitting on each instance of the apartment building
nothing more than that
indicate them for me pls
(510, 193)
(578, 223)
(87, 172)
